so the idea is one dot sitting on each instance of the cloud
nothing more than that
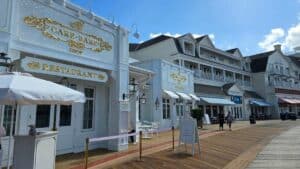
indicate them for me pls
(292, 39)
(153, 35)
(274, 37)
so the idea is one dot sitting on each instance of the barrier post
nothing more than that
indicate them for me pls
(173, 138)
(86, 153)
(141, 145)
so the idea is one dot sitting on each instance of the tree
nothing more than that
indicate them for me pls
(198, 115)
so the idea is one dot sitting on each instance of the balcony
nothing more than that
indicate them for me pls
(218, 78)
(229, 79)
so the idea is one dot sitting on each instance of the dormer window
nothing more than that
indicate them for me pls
(189, 48)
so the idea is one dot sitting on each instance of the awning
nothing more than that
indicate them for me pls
(184, 96)
(219, 101)
(171, 94)
(289, 100)
(193, 96)
(260, 103)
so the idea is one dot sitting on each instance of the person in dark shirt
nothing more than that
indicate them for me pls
(221, 121)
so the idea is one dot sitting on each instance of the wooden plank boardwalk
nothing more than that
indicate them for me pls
(223, 150)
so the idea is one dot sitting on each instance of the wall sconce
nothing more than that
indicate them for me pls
(157, 103)
(64, 81)
(132, 89)
(143, 98)
(5, 61)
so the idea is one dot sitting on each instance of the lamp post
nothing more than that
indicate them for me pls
(5, 62)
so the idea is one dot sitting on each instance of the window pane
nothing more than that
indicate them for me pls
(65, 115)
(42, 116)
(7, 119)
(88, 112)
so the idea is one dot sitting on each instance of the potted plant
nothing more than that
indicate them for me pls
(198, 115)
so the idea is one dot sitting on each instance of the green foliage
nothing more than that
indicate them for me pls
(197, 114)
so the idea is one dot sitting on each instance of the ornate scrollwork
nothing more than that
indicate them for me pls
(71, 35)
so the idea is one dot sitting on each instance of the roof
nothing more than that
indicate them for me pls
(252, 94)
(201, 37)
(210, 90)
(135, 46)
(231, 50)
(227, 86)
(296, 60)
(259, 61)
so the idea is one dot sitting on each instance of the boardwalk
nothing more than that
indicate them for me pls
(282, 152)
(220, 151)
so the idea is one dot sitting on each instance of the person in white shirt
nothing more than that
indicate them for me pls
(2, 134)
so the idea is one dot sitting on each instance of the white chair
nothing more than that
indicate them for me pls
(155, 128)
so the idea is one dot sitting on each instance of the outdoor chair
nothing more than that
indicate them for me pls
(155, 128)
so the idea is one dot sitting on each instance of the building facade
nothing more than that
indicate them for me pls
(170, 94)
(221, 78)
(276, 78)
(61, 42)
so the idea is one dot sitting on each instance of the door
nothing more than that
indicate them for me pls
(65, 122)
(66, 129)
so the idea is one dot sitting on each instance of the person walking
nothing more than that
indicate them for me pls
(2, 134)
(221, 121)
(229, 119)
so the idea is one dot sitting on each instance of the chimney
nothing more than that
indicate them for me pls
(277, 47)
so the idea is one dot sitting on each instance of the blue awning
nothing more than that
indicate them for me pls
(218, 101)
(260, 103)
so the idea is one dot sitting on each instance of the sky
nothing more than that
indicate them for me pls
(253, 26)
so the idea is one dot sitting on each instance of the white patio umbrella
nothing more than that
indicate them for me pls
(23, 89)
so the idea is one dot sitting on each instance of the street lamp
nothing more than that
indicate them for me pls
(5, 61)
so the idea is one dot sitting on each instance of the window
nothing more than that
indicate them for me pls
(7, 119)
(179, 110)
(42, 119)
(88, 111)
(65, 115)
(166, 108)
(189, 48)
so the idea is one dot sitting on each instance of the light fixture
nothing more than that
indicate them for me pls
(64, 81)
(132, 89)
(143, 98)
(132, 86)
(136, 34)
(157, 103)
(5, 61)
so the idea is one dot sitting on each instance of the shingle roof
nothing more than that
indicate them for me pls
(210, 90)
(135, 46)
(227, 86)
(232, 50)
(252, 94)
(296, 60)
(259, 61)
(201, 37)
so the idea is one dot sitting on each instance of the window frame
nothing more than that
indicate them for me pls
(93, 114)
(36, 109)
(166, 108)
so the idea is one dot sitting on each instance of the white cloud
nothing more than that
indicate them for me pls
(274, 37)
(293, 38)
(153, 35)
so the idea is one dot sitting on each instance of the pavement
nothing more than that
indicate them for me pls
(283, 152)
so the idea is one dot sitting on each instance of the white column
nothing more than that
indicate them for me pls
(117, 118)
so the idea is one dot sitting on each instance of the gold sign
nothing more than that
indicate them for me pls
(71, 35)
(58, 69)
(179, 79)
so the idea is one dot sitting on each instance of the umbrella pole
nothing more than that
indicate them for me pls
(10, 134)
